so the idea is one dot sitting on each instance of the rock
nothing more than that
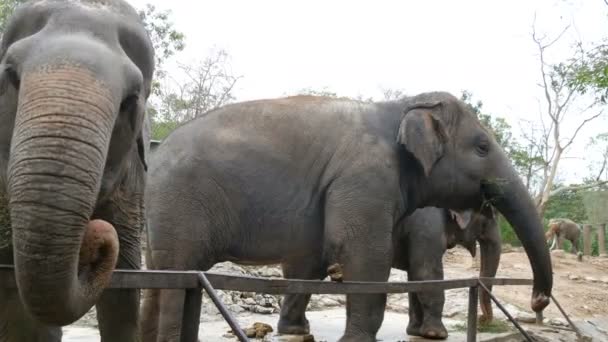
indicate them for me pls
(559, 322)
(525, 317)
(249, 301)
(591, 279)
(573, 277)
(604, 280)
(261, 310)
(558, 253)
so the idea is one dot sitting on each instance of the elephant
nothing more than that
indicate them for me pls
(74, 133)
(436, 229)
(559, 229)
(310, 182)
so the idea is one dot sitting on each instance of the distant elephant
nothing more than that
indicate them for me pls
(75, 77)
(419, 244)
(313, 181)
(560, 229)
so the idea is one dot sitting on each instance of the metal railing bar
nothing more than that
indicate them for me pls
(504, 310)
(236, 329)
(574, 327)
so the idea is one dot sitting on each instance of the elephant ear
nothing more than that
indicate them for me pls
(422, 134)
(462, 218)
(143, 139)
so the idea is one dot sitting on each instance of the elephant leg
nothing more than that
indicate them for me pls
(150, 309)
(293, 309)
(574, 246)
(415, 315)
(17, 326)
(426, 265)
(118, 310)
(359, 237)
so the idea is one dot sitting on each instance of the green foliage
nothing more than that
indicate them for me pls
(494, 327)
(588, 71)
(567, 204)
(6, 9)
(167, 41)
(507, 234)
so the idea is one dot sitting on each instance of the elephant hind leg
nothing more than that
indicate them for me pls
(293, 309)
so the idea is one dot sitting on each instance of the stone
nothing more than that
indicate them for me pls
(573, 277)
(591, 279)
(559, 322)
(526, 318)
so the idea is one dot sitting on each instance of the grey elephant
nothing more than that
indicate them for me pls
(75, 78)
(310, 182)
(559, 229)
(419, 244)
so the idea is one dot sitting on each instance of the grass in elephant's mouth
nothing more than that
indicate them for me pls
(494, 327)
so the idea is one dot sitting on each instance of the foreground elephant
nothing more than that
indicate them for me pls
(419, 244)
(560, 229)
(75, 79)
(311, 181)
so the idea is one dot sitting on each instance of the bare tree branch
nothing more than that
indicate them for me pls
(577, 187)
(579, 128)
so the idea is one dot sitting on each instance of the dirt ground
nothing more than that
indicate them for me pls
(581, 287)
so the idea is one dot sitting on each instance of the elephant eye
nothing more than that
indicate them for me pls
(482, 146)
(11, 75)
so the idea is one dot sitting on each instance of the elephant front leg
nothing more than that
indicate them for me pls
(358, 237)
(293, 309)
(415, 315)
(118, 310)
(428, 305)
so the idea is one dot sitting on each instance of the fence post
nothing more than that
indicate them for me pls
(191, 316)
(587, 239)
(601, 239)
(472, 318)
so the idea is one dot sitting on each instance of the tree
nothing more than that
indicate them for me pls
(559, 96)
(198, 88)
(166, 40)
(7, 7)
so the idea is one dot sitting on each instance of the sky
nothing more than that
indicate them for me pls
(361, 47)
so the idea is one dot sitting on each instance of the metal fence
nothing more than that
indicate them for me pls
(193, 282)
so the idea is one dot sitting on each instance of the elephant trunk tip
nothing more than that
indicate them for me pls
(98, 252)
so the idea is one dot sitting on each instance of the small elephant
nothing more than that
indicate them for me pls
(560, 229)
(310, 182)
(75, 77)
(419, 244)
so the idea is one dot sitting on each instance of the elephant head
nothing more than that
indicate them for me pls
(75, 78)
(461, 166)
(482, 228)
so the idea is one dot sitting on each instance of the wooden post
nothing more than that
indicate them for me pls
(601, 239)
(472, 319)
(587, 239)
(192, 314)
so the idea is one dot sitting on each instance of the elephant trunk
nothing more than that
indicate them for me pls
(490, 258)
(512, 199)
(62, 131)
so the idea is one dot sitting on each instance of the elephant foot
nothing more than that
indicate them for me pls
(357, 338)
(435, 331)
(293, 328)
(413, 329)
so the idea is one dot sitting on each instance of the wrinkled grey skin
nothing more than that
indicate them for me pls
(312, 181)
(560, 229)
(419, 244)
(75, 78)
